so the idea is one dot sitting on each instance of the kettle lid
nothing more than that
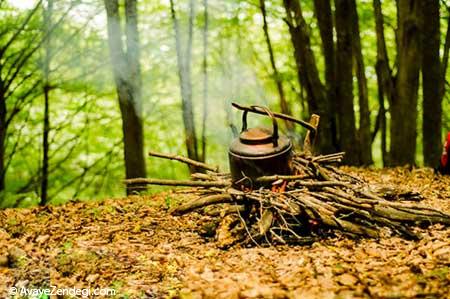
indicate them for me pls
(258, 142)
(256, 136)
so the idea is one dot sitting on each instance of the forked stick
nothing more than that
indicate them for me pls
(308, 144)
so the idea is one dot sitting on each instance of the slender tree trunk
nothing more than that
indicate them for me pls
(445, 56)
(404, 106)
(344, 90)
(384, 77)
(432, 81)
(308, 74)
(45, 146)
(134, 132)
(364, 134)
(324, 16)
(48, 11)
(2, 136)
(284, 106)
(133, 53)
(381, 119)
(127, 78)
(184, 74)
(205, 80)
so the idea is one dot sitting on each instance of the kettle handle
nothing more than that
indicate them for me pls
(272, 117)
(312, 129)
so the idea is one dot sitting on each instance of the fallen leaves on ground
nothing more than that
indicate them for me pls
(134, 246)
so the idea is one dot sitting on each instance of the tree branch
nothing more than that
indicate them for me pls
(20, 29)
(184, 160)
(18, 64)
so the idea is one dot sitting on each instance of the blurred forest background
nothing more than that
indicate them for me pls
(88, 87)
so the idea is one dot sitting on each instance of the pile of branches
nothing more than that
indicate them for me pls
(317, 199)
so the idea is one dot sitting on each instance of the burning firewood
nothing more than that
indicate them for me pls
(275, 195)
(318, 196)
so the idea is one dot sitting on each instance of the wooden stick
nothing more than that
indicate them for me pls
(185, 160)
(201, 202)
(270, 178)
(202, 176)
(301, 160)
(308, 144)
(335, 156)
(265, 222)
(163, 182)
(226, 211)
(258, 110)
(320, 184)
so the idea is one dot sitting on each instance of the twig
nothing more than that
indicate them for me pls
(202, 202)
(271, 178)
(162, 182)
(313, 184)
(202, 176)
(308, 143)
(185, 160)
(330, 157)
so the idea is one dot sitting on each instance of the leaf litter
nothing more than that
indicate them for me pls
(136, 247)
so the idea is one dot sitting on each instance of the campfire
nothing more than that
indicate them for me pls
(274, 195)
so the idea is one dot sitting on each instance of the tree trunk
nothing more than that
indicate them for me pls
(432, 81)
(48, 11)
(134, 132)
(404, 106)
(445, 56)
(205, 80)
(184, 74)
(128, 80)
(284, 106)
(381, 119)
(344, 90)
(308, 74)
(2, 136)
(324, 17)
(133, 53)
(364, 135)
(385, 80)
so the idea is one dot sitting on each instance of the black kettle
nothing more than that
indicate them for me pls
(260, 152)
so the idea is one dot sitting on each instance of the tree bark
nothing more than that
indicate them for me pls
(381, 118)
(431, 82)
(385, 80)
(364, 134)
(2, 135)
(445, 55)
(344, 90)
(404, 106)
(308, 75)
(324, 17)
(284, 106)
(133, 52)
(184, 74)
(127, 78)
(48, 11)
(205, 80)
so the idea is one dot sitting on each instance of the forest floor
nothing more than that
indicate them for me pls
(134, 246)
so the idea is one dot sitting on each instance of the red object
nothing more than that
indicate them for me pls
(444, 166)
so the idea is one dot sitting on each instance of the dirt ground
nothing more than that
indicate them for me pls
(135, 247)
